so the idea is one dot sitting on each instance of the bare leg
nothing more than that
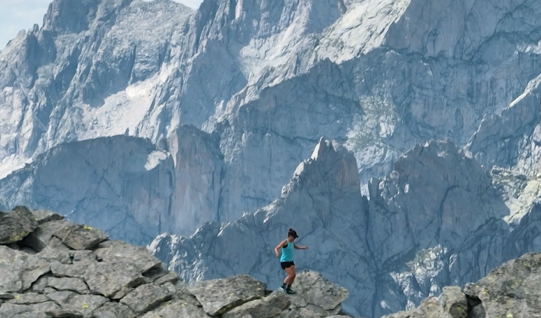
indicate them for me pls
(290, 275)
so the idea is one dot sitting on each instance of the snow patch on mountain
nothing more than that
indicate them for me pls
(154, 159)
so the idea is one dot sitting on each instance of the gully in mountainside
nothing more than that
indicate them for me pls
(286, 260)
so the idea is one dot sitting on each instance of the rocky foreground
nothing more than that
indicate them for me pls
(50, 267)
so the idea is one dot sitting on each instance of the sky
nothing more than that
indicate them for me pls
(17, 15)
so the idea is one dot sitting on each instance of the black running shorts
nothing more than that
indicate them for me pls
(286, 264)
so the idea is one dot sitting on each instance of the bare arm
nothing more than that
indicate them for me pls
(297, 247)
(278, 247)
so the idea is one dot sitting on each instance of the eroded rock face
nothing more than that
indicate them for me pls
(198, 173)
(83, 274)
(121, 185)
(510, 290)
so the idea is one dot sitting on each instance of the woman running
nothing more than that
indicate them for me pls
(286, 260)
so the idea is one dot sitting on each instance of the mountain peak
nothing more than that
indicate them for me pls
(330, 162)
(67, 16)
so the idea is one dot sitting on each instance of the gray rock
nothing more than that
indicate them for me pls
(219, 295)
(81, 237)
(455, 302)
(107, 279)
(146, 297)
(16, 225)
(429, 308)
(28, 299)
(53, 255)
(117, 251)
(73, 302)
(119, 280)
(64, 314)
(69, 284)
(113, 310)
(318, 293)
(121, 293)
(176, 309)
(183, 294)
(83, 257)
(20, 270)
(170, 277)
(43, 236)
(31, 311)
(40, 285)
(44, 216)
(511, 289)
(102, 278)
(267, 307)
(7, 296)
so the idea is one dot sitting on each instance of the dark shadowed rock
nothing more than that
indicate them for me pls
(43, 216)
(43, 236)
(64, 314)
(455, 302)
(16, 225)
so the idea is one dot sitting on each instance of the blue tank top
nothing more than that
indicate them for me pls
(287, 252)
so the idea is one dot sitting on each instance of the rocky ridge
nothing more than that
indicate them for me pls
(50, 267)
(392, 251)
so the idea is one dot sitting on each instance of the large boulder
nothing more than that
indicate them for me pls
(16, 225)
(219, 295)
(511, 290)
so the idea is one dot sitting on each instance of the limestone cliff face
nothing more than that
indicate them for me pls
(270, 77)
(197, 188)
(121, 184)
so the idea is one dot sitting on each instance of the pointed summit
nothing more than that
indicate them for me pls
(67, 16)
